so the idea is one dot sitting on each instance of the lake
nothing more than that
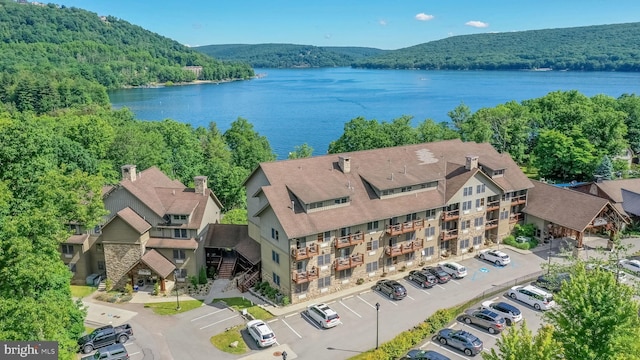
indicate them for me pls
(295, 106)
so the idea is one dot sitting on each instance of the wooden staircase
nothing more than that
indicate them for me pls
(248, 281)
(226, 268)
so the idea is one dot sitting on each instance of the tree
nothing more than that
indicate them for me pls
(558, 156)
(605, 169)
(459, 115)
(248, 148)
(235, 216)
(596, 318)
(518, 343)
(361, 134)
(301, 151)
(429, 131)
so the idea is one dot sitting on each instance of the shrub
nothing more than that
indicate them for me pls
(286, 301)
(360, 281)
(202, 276)
(108, 285)
(193, 280)
(156, 288)
(128, 289)
(212, 272)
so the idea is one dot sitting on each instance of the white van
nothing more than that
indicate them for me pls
(533, 296)
(454, 269)
(323, 315)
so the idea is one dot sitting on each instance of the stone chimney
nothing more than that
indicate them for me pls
(129, 172)
(471, 163)
(200, 184)
(345, 164)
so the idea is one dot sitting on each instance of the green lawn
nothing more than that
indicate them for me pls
(223, 340)
(239, 303)
(169, 308)
(80, 291)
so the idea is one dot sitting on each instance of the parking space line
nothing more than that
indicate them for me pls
(218, 322)
(365, 301)
(441, 287)
(410, 297)
(203, 316)
(348, 308)
(366, 291)
(451, 351)
(347, 297)
(425, 291)
(274, 320)
(294, 314)
(295, 332)
(309, 319)
(455, 282)
(135, 353)
(425, 345)
(475, 328)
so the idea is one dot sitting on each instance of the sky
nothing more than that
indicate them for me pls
(383, 24)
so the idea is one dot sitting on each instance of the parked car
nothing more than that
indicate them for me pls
(623, 277)
(261, 333)
(111, 352)
(105, 336)
(495, 256)
(442, 276)
(454, 269)
(490, 320)
(323, 315)
(423, 278)
(425, 355)
(461, 340)
(392, 288)
(532, 296)
(510, 313)
(552, 282)
(631, 265)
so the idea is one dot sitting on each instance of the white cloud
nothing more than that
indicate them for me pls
(478, 24)
(382, 22)
(424, 17)
(327, 36)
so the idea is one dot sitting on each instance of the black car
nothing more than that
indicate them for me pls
(426, 355)
(441, 275)
(552, 282)
(423, 278)
(392, 288)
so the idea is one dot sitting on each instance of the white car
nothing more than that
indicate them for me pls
(510, 313)
(632, 265)
(454, 269)
(532, 296)
(323, 315)
(261, 333)
(495, 256)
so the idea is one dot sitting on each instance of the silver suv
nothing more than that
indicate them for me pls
(261, 333)
(323, 315)
(492, 321)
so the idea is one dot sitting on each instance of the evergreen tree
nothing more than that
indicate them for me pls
(605, 169)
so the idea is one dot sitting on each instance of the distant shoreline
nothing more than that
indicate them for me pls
(194, 82)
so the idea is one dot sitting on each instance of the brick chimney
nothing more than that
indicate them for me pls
(200, 184)
(471, 163)
(345, 164)
(129, 172)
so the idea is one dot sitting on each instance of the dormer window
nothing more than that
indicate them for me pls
(499, 172)
(180, 233)
(180, 217)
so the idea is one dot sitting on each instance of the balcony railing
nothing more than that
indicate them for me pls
(305, 253)
(450, 215)
(349, 262)
(514, 218)
(300, 277)
(518, 200)
(349, 240)
(404, 248)
(405, 227)
(491, 224)
(494, 205)
(449, 234)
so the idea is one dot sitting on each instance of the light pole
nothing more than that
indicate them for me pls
(377, 323)
(175, 276)
(550, 242)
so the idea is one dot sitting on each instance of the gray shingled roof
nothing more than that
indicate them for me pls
(166, 243)
(229, 236)
(134, 220)
(158, 263)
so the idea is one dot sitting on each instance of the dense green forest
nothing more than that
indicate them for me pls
(289, 55)
(589, 48)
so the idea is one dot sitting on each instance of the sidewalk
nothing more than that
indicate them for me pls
(101, 314)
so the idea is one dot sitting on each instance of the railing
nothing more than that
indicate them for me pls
(405, 227)
(349, 262)
(300, 277)
(514, 218)
(491, 224)
(518, 200)
(349, 240)
(248, 281)
(305, 253)
(495, 205)
(404, 248)
(449, 234)
(450, 215)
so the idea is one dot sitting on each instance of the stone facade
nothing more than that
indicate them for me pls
(119, 258)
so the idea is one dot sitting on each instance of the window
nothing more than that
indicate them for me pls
(430, 231)
(324, 282)
(181, 273)
(431, 214)
(97, 229)
(324, 259)
(411, 217)
(67, 249)
(465, 224)
(179, 255)
(477, 240)
(343, 274)
(410, 236)
(464, 243)
(372, 245)
(480, 189)
(504, 215)
(479, 203)
(100, 265)
(428, 251)
(498, 172)
(372, 225)
(180, 233)
(410, 256)
(72, 268)
(405, 189)
(468, 191)
(345, 231)
(478, 222)
(302, 288)
(276, 279)
(99, 248)
(275, 257)
(274, 234)
(372, 266)
(179, 217)
(466, 205)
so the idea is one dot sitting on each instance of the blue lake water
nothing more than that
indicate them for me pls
(295, 106)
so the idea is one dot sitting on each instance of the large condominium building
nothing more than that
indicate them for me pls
(329, 222)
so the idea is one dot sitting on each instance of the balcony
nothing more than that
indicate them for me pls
(450, 215)
(449, 234)
(514, 218)
(491, 224)
(305, 253)
(405, 227)
(300, 277)
(495, 205)
(349, 262)
(518, 200)
(349, 240)
(404, 248)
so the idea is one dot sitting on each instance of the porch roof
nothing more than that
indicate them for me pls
(158, 263)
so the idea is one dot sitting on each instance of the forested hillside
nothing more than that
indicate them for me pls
(289, 55)
(64, 54)
(590, 48)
